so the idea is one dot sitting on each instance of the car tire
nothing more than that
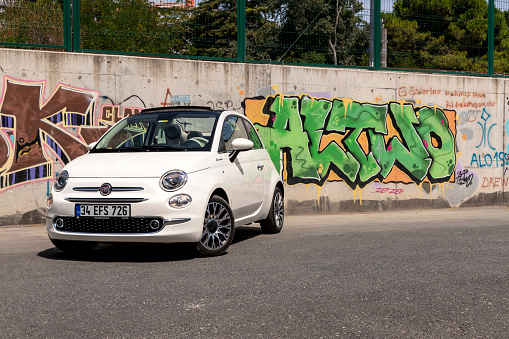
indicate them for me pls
(274, 221)
(218, 228)
(73, 246)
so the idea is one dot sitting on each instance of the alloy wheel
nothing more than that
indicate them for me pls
(279, 210)
(217, 227)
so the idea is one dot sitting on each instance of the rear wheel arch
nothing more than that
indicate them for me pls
(281, 187)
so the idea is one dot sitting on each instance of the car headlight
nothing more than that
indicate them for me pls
(61, 181)
(173, 180)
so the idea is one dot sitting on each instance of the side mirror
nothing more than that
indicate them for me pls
(239, 145)
(90, 146)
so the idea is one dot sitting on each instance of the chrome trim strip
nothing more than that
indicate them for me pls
(175, 221)
(106, 200)
(117, 189)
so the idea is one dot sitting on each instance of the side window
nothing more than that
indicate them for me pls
(252, 135)
(233, 128)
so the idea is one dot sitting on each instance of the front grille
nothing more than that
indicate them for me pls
(112, 225)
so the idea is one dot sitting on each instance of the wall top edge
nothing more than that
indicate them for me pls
(277, 66)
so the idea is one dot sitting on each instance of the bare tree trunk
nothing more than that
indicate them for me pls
(333, 45)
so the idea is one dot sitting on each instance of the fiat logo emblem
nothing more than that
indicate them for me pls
(105, 189)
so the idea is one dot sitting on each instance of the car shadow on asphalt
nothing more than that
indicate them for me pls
(143, 252)
(244, 233)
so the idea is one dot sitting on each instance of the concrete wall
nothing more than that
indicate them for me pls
(345, 140)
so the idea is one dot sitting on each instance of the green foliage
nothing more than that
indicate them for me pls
(333, 28)
(32, 22)
(422, 34)
(308, 31)
(443, 35)
(132, 26)
(262, 29)
(213, 29)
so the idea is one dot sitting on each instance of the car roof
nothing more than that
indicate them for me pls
(181, 109)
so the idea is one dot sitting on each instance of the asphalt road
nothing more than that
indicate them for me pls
(426, 274)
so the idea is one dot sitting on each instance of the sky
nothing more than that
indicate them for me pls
(386, 5)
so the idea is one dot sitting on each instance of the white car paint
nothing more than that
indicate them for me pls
(248, 182)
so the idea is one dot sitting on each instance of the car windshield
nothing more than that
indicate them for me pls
(161, 131)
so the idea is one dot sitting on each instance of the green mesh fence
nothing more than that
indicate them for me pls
(163, 27)
(447, 35)
(38, 23)
(501, 37)
(329, 32)
(468, 36)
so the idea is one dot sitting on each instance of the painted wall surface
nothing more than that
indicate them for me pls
(344, 140)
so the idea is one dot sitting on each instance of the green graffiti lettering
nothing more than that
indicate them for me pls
(316, 113)
(355, 118)
(288, 132)
(432, 129)
(410, 151)
(359, 142)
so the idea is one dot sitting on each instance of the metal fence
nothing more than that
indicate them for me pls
(467, 36)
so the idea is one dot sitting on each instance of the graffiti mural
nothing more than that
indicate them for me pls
(176, 100)
(312, 140)
(36, 132)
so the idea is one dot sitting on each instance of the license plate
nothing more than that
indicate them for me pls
(104, 211)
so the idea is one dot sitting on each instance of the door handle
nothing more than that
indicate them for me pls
(260, 167)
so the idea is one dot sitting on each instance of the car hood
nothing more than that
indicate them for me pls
(136, 164)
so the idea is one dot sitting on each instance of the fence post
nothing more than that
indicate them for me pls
(491, 37)
(241, 30)
(67, 26)
(76, 30)
(377, 32)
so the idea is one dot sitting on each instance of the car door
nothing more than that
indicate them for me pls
(245, 179)
(262, 158)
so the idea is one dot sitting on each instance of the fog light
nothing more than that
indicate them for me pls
(49, 201)
(155, 224)
(180, 201)
(59, 223)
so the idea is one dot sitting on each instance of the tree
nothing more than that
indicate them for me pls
(501, 57)
(442, 34)
(214, 29)
(132, 26)
(310, 31)
(350, 33)
(32, 22)
(262, 29)
(328, 32)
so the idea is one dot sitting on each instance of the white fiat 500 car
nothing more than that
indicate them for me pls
(166, 175)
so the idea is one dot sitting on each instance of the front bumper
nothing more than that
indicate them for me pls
(177, 225)
(187, 231)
